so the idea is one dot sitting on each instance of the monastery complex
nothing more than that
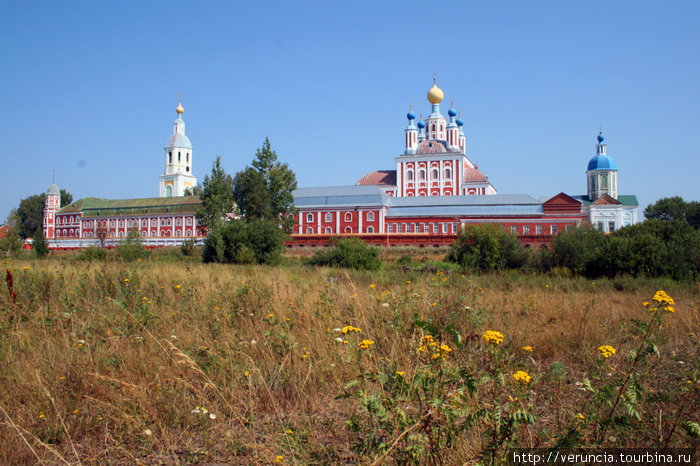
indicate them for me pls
(434, 189)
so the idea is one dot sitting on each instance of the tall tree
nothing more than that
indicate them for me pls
(41, 247)
(216, 196)
(675, 208)
(264, 189)
(30, 213)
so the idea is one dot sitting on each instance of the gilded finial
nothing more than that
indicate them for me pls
(179, 108)
(410, 106)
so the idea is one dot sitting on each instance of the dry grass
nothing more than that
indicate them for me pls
(107, 362)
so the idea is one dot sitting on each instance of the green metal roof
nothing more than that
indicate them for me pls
(624, 199)
(95, 207)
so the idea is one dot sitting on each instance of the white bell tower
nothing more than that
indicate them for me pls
(178, 161)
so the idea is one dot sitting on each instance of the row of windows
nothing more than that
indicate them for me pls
(179, 157)
(329, 230)
(329, 217)
(66, 219)
(132, 223)
(145, 234)
(422, 227)
(435, 173)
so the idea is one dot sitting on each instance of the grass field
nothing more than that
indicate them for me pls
(172, 362)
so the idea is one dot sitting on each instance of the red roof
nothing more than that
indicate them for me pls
(380, 177)
(473, 175)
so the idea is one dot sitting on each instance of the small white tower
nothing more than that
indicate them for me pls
(411, 133)
(178, 161)
(52, 204)
(452, 131)
(462, 137)
(601, 172)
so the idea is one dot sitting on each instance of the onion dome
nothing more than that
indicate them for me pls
(411, 116)
(452, 112)
(600, 138)
(460, 122)
(602, 162)
(53, 189)
(179, 108)
(421, 125)
(435, 94)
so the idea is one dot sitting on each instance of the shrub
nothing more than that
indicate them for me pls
(92, 253)
(41, 247)
(245, 242)
(131, 248)
(487, 247)
(188, 248)
(580, 249)
(349, 253)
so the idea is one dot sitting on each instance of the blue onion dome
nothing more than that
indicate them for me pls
(421, 125)
(600, 138)
(411, 116)
(602, 162)
(452, 112)
(460, 122)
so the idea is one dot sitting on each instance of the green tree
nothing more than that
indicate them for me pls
(245, 241)
(131, 247)
(580, 250)
(41, 247)
(30, 213)
(216, 196)
(487, 247)
(264, 190)
(12, 244)
(675, 208)
(348, 253)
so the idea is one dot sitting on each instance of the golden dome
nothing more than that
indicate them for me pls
(435, 94)
(179, 108)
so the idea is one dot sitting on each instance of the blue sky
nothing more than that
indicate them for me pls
(90, 88)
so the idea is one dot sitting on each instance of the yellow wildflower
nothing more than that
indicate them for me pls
(580, 416)
(425, 342)
(350, 328)
(606, 351)
(364, 344)
(527, 348)
(41, 415)
(523, 377)
(126, 280)
(408, 282)
(279, 459)
(26, 268)
(400, 373)
(493, 337)
(372, 285)
(662, 298)
(246, 373)
(178, 286)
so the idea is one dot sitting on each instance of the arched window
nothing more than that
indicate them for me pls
(348, 216)
(188, 157)
(169, 221)
(189, 221)
(421, 175)
(370, 229)
(121, 234)
(329, 230)
(348, 230)
(170, 157)
(435, 174)
(178, 222)
(448, 173)
(178, 233)
(309, 231)
(309, 218)
(604, 182)
(410, 175)
(121, 223)
(168, 191)
(162, 222)
(179, 157)
(370, 216)
(329, 217)
(112, 223)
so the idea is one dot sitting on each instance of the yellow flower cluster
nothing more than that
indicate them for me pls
(493, 337)
(664, 300)
(523, 377)
(364, 344)
(527, 348)
(349, 328)
(438, 350)
(606, 351)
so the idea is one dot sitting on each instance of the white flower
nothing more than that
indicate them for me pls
(196, 410)
(174, 337)
(337, 329)
(148, 432)
(385, 304)
(339, 340)
(212, 416)
(204, 411)
(253, 342)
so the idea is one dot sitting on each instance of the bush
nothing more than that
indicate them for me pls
(92, 253)
(581, 250)
(487, 247)
(131, 248)
(349, 253)
(41, 247)
(188, 248)
(245, 242)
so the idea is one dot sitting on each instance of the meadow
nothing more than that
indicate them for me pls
(182, 362)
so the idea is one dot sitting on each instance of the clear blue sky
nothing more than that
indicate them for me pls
(90, 88)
